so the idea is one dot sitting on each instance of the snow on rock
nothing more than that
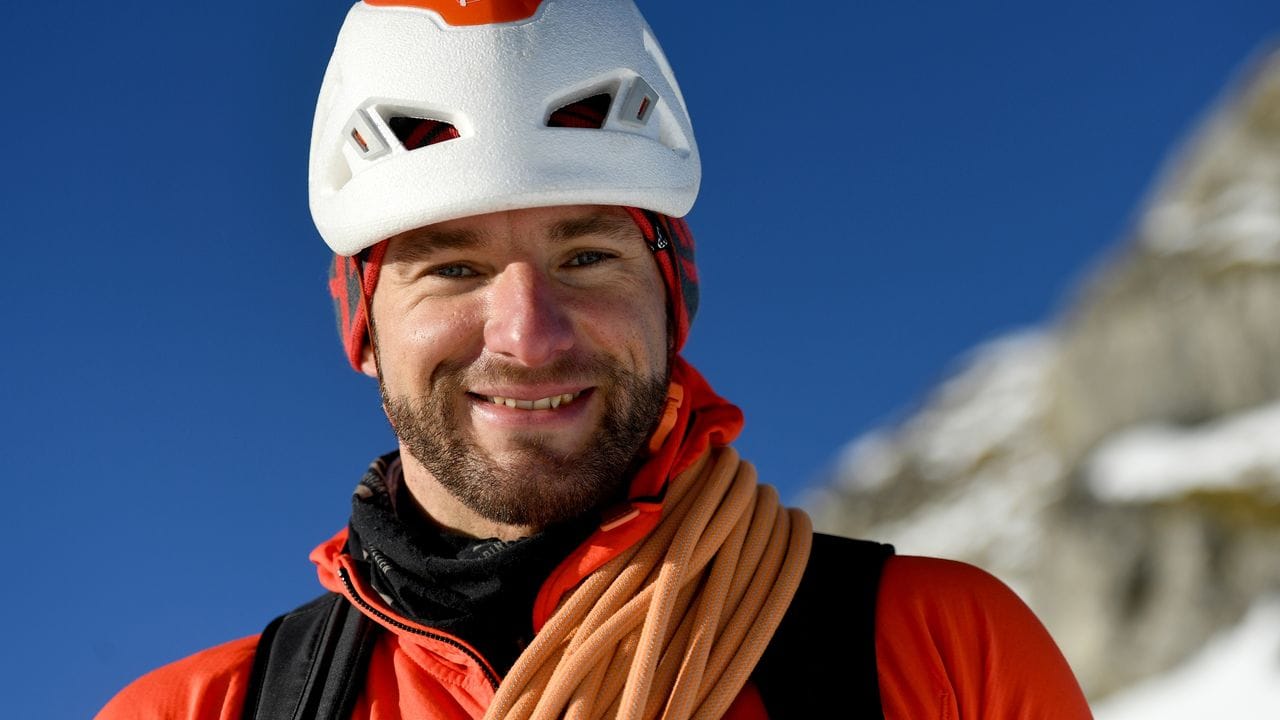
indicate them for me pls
(997, 518)
(1225, 207)
(1241, 226)
(1157, 462)
(988, 406)
(869, 462)
(1236, 675)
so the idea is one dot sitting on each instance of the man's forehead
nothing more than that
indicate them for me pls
(554, 224)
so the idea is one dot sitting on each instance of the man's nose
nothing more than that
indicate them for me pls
(527, 321)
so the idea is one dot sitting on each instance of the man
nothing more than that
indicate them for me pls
(564, 530)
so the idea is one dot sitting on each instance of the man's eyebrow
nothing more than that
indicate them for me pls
(421, 243)
(611, 226)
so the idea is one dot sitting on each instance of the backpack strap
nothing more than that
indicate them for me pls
(310, 663)
(832, 615)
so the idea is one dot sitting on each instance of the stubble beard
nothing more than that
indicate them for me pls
(542, 486)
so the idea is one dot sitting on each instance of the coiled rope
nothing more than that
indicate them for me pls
(673, 627)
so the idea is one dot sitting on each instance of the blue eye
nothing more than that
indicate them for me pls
(588, 257)
(454, 271)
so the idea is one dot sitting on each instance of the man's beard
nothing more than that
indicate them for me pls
(545, 486)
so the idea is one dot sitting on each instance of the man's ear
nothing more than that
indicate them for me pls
(368, 360)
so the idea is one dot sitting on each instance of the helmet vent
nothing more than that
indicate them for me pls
(364, 137)
(639, 104)
(587, 113)
(416, 132)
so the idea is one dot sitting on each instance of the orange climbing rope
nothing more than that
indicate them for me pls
(673, 627)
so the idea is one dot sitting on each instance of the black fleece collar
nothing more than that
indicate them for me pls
(481, 591)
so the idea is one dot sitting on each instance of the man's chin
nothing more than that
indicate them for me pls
(533, 487)
(533, 456)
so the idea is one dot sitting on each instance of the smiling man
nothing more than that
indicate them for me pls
(522, 357)
(564, 529)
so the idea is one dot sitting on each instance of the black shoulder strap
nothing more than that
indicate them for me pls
(310, 663)
(833, 615)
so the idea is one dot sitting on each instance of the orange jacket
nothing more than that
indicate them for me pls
(951, 641)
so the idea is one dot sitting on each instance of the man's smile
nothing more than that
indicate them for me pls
(546, 408)
(543, 403)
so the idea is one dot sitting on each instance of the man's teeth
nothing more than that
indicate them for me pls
(545, 403)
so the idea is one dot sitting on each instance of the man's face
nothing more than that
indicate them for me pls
(522, 356)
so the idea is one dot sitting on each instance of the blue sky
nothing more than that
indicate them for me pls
(884, 187)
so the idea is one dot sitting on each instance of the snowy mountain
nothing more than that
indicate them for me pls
(1120, 465)
(1235, 675)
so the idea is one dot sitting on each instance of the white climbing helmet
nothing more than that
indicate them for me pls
(495, 70)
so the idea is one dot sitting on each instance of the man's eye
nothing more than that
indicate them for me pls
(588, 257)
(453, 271)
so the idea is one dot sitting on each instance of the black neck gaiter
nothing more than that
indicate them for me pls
(481, 591)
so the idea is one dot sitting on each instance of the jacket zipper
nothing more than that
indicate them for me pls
(355, 598)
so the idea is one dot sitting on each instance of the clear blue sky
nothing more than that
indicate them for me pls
(884, 186)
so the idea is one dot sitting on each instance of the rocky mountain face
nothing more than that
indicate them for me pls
(1119, 467)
